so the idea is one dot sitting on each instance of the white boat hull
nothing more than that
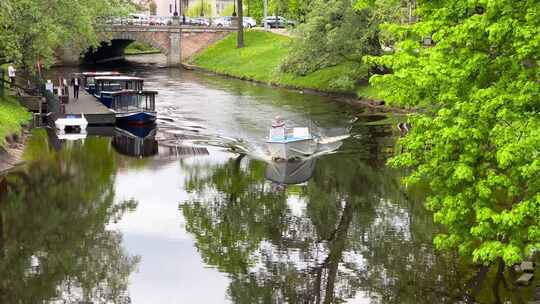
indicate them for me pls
(291, 149)
(63, 123)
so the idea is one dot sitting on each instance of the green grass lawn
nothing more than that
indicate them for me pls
(259, 60)
(139, 48)
(12, 114)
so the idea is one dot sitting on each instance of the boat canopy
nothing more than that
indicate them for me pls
(117, 83)
(89, 77)
(131, 100)
(102, 73)
(118, 78)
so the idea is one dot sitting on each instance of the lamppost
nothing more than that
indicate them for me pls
(175, 9)
(234, 8)
(265, 14)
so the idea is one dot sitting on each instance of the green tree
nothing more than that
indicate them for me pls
(335, 32)
(153, 8)
(32, 30)
(475, 138)
(229, 9)
(196, 11)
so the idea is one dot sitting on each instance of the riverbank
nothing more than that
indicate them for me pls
(12, 116)
(12, 134)
(259, 61)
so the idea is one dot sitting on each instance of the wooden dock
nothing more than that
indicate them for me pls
(94, 111)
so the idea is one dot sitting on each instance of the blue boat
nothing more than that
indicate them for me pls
(125, 96)
(134, 107)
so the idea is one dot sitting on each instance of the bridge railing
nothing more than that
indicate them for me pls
(162, 21)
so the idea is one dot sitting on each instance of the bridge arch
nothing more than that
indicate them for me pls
(160, 42)
(177, 43)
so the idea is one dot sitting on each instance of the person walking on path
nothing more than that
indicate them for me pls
(11, 74)
(65, 86)
(75, 81)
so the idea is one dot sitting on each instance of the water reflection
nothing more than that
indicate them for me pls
(53, 241)
(346, 234)
(136, 141)
(290, 172)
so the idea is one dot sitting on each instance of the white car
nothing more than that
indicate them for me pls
(138, 19)
(223, 21)
(249, 22)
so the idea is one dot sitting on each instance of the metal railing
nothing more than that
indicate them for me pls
(162, 22)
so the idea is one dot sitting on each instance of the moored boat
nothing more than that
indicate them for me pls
(88, 79)
(105, 85)
(125, 96)
(71, 121)
(134, 107)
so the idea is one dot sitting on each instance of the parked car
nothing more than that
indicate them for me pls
(278, 22)
(138, 19)
(155, 20)
(201, 21)
(114, 21)
(228, 21)
(249, 22)
(223, 21)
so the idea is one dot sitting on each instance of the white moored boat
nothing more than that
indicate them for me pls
(75, 121)
(287, 143)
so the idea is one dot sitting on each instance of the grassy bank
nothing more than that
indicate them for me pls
(12, 115)
(138, 48)
(260, 58)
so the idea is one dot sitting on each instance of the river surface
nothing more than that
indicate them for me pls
(175, 216)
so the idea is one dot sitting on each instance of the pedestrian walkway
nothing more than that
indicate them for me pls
(94, 111)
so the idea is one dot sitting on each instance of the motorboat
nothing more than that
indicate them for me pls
(288, 143)
(125, 96)
(285, 143)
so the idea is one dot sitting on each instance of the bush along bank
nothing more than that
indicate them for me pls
(12, 134)
(261, 58)
(12, 116)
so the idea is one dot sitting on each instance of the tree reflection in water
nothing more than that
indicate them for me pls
(53, 214)
(358, 235)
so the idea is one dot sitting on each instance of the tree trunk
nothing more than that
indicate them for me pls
(336, 248)
(240, 41)
(498, 279)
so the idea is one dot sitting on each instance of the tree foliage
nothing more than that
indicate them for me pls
(56, 211)
(32, 30)
(335, 32)
(475, 140)
(195, 9)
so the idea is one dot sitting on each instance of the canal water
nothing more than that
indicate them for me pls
(173, 215)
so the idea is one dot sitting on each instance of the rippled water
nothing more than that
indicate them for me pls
(176, 217)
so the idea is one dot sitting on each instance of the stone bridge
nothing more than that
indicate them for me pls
(177, 43)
